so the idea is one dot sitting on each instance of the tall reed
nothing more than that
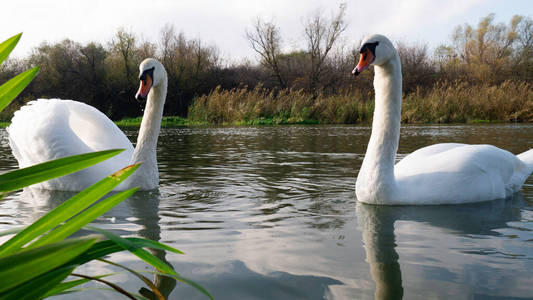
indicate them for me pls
(446, 102)
(455, 102)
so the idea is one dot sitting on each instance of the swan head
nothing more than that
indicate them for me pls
(151, 74)
(375, 49)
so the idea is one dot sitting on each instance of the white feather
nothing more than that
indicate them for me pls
(45, 130)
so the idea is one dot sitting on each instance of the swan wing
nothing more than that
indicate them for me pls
(47, 129)
(458, 173)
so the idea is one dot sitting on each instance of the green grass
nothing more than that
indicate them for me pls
(170, 121)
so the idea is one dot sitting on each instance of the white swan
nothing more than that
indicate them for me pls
(47, 129)
(437, 174)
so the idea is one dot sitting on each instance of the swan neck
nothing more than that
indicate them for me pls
(145, 149)
(377, 170)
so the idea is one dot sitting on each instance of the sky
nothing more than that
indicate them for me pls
(223, 23)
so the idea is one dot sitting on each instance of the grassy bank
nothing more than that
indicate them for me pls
(458, 102)
(259, 106)
(165, 122)
(454, 102)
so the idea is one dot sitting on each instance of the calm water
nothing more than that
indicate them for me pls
(271, 213)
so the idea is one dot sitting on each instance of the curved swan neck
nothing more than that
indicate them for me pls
(385, 135)
(377, 171)
(145, 149)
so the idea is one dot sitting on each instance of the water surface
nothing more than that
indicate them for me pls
(271, 213)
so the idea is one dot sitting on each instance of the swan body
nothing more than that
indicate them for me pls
(439, 174)
(47, 129)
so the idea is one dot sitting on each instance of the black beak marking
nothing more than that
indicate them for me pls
(149, 72)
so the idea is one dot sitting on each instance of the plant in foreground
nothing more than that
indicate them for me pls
(40, 260)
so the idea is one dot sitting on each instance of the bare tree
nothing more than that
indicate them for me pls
(417, 67)
(321, 35)
(524, 29)
(265, 39)
(124, 43)
(167, 44)
(146, 49)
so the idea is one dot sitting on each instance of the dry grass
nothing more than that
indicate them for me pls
(458, 102)
(445, 103)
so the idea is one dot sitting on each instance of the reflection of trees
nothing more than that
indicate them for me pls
(377, 226)
(142, 209)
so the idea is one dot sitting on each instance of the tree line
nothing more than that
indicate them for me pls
(104, 75)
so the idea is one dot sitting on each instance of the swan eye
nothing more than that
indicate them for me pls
(369, 47)
(148, 72)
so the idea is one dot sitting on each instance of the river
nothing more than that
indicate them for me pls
(271, 213)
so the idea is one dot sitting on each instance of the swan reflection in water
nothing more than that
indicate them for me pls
(141, 209)
(377, 224)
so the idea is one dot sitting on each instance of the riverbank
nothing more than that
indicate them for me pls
(167, 121)
(455, 102)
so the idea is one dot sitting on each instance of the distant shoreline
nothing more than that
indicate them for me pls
(174, 121)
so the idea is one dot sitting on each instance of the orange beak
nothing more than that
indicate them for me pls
(365, 60)
(145, 87)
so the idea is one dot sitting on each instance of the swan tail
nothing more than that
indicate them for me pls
(522, 172)
(527, 158)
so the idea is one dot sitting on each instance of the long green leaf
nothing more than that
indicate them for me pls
(37, 287)
(21, 178)
(136, 250)
(11, 231)
(111, 284)
(11, 89)
(25, 265)
(77, 222)
(134, 246)
(107, 247)
(185, 280)
(63, 287)
(66, 210)
(147, 281)
(7, 46)
(145, 243)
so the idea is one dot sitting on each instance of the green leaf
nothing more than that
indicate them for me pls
(7, 46)
(77, 222)
(145, 243)
(11, 89)
(111, 284)
(11, 231)
(136, 250)
(63, 287)
(103, 248)
(187, 281)
(37, 287)
(24, 177)
(106, 247)
(28, 264)
(66, 210)
(147, 281)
